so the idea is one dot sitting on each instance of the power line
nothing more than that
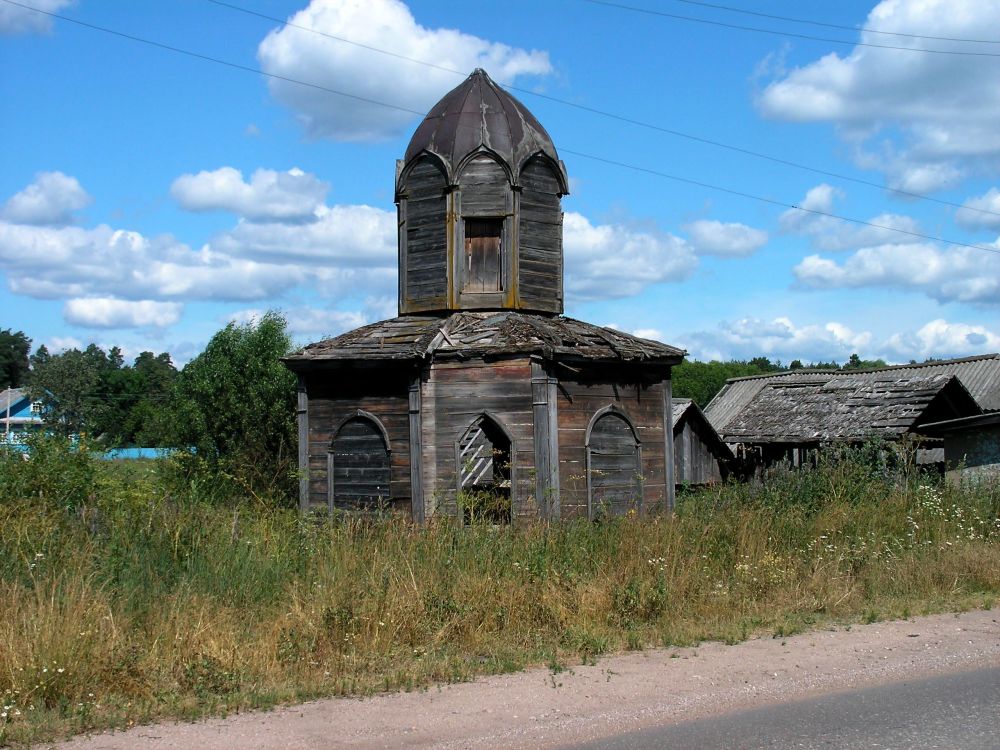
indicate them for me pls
(828, 25)
(624, 165)
(792, 34)
(775, 202)
(620, 118)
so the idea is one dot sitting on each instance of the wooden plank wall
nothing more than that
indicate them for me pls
(579, 400)
(453, 396)
(694, 461)
(540, 257)
(424, 239)
(334, 398)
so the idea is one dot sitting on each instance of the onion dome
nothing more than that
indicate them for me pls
(479, 114)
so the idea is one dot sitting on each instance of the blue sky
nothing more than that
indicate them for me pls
(148, 197)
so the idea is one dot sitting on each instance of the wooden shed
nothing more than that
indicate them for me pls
(700, 455)
(971, 447)
(481, 387)
(787, 417)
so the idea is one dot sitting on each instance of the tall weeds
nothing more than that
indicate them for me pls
(149, 596)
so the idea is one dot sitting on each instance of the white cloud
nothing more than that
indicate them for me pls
(929, 117)
(54, 262)
(18, 20)
(50, 200)
(309, 321)
(939, 338)
(831, 234)
(778, 338)
(726, 240)
(989, 201)
(606, 261)
(293, 196)
(105, 312)
(954, 275)
(385, 24)
(649, 333)
(58, 344)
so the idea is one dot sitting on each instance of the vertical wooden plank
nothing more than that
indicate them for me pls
(302, 414)
(552, 407)
(542, 428)
(668, 441)
(418, 509)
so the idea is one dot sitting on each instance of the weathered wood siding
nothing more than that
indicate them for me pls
(485, 188)
(423, 240)
(694, 461)
(335, 398)
(540, 254)
(454, 396)
(613, 467)
(359, 461)
(578, 402)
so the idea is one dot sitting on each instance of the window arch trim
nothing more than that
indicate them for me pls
(613, 409)
(330, 460)
(498, 423)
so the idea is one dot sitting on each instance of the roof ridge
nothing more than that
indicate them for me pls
(826, 370)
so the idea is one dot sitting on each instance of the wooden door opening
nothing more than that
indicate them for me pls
(485, 473)
(483, 270)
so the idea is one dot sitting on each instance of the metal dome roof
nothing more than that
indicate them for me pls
(476, 114)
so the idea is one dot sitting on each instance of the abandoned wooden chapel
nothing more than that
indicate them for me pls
(481, 388)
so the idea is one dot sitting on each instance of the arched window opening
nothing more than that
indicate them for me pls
(614, 482)
(359, 466)
(484, 473)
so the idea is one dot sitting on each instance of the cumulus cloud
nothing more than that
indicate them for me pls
(778, 338)
(18, 20)
(605, 261)
(954, 275)
(726, 240)
(939, 338)
(50, 200)
(832, 234)
(972, 214)
(293, 52)
(106, 312)
(309, 321)
(925, 119)
(292, 196)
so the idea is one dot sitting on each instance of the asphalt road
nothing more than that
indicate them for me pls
(959, 711)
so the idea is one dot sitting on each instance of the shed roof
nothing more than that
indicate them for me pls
(10, 397)
(484, 334)
(479, 113)
(848, 407)
(980, 375)
(685, 409)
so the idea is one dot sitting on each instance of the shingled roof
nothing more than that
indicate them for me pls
(980, 375)
(484, 334)
(848, 407)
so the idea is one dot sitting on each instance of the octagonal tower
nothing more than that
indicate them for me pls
(479, 199)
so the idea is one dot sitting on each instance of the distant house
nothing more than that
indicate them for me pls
(785, 417)
(700, 455)
(971, 446)
(19, 415)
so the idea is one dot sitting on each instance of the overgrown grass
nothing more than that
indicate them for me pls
(126, 597)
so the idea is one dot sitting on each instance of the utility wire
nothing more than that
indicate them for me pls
(813, 22)
(774, 202)
(620, 118)
(592, 157)
(775, 32)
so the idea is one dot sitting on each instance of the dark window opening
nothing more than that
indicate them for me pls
(483, 270)
(484, 456)
(359, 461)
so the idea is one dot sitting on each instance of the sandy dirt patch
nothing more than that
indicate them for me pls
(538, 709)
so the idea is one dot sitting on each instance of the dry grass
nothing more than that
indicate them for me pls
(148, 600)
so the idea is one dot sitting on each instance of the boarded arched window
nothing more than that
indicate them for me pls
(359, 465)
(614, 484)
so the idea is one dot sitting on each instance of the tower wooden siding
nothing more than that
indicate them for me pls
(539, 239)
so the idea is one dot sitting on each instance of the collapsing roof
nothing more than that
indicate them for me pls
(484, 334)
(980, 375)
(847, 408)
